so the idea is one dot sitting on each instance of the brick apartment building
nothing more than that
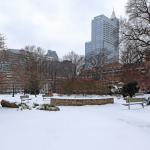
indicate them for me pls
(116, 73)
(12, 61)
(8, 61)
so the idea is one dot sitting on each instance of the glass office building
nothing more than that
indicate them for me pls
(104, 36)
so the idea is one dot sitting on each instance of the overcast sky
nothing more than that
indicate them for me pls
(60, 25)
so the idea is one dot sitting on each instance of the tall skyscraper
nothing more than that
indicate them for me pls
(52, 55)
(104, 37)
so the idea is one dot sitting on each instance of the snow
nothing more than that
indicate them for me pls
(106, 127)
(84, 97)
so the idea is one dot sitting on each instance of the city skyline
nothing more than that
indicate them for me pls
(62, 27)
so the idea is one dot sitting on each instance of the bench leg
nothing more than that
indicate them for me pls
(143, 105)
(129, 106)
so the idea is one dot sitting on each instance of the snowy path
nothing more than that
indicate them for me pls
(109, 127)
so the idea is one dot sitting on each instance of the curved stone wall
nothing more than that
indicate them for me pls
(80, 102)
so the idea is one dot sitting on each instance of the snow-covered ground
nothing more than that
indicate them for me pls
(106, 127)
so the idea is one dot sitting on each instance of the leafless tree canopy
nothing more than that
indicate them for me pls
(2, 42)
(98, 61)
(135, 32)
(132, 53)
(33, 67)
(76, 59)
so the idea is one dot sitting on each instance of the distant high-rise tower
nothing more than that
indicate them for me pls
(104, 36)
(52, 55)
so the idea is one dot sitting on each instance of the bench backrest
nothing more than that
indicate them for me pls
(139, 94)
(44, 95)
(135, 100)
(25, 96)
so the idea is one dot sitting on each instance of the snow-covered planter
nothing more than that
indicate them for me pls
(72, 101)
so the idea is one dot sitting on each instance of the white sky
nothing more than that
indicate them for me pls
(61, 25)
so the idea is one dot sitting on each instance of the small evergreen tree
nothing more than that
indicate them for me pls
(130, 89)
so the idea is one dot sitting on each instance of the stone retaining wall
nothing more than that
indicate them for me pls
(80, 102)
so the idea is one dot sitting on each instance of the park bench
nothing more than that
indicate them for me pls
(25, 98)
(46, 97)
(139, 94)
(135, 101)
(147, 101)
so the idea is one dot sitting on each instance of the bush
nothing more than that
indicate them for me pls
(48, 107)
(130, 89)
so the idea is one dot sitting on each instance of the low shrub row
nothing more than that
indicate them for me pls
(84, 87)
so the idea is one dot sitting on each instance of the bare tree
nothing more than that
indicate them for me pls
(98, 61)
(102, 60)
(3, 59)
(77, 60)
(32, 70)
(2, 42)
(131, 54)
(135, 32)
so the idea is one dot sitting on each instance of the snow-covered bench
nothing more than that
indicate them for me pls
(147, 101)
(139, 94)
(135, 101)
(46, 97)
(25, 98)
